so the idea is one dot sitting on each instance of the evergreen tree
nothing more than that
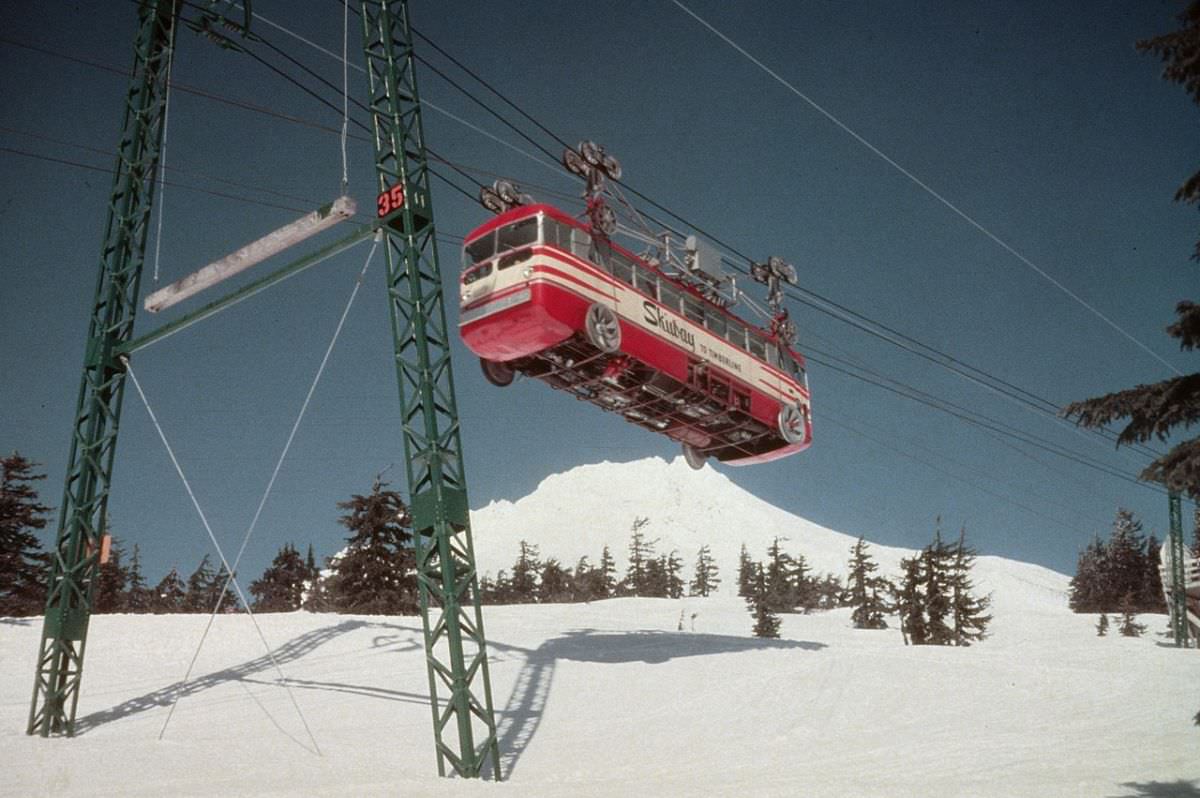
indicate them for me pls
(555, 584)
(968, 612)
(587, 583)
(376, 574)
(1151, 597)
(1129, 626)
(198, 597)
(745, 573)
(222, 592)
(523, 586)
(641, 552)
(805, 588)
(654, 582)
(864, 588)
(1088, 586)
(766, 622)
(281, 586)
(935, 581)
(1102, 625)
(169, 594)
(1155, 410)
(910, 602)
(674, 582)
(780, 579)
(706, 577)
(23, 565)
(112, 581)
(608, 574)
(138, 597)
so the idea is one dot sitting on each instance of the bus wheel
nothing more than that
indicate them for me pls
(497, 373)
(693, 456)
(792, 426)
(603, 329)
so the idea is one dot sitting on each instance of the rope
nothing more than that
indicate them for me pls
(274, 474)
(213, 538)
(345, 92)
(959, 212)
(162, 161)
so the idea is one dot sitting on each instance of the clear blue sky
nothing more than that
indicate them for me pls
(1038, 120)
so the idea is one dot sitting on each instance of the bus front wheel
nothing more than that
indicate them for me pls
(499, 374)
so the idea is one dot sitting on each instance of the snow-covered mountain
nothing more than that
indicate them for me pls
(579, 512)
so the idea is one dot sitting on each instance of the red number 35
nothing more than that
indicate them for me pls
(390, 200)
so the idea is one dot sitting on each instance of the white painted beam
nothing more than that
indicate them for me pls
(255, 252)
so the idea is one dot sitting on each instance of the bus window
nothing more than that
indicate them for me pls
(517, 234)
(647, 282)
(669, 295)
(758, 346)
(772, 355)
(622, 269)
(475, 274)
(479, 250)
(693, 309)
(556, 234)
(581, 242)
(715, 322)
(735, 334)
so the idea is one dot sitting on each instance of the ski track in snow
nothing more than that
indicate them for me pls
(608, 698)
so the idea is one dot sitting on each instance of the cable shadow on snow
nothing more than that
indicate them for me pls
(163, 697)
(1160, 789)
(526, 706)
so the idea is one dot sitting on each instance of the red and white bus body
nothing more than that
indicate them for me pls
(685, 366)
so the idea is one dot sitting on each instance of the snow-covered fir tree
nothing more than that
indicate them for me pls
(766, 622)
(968, 612)
(198, 596)
(281, 586)
(112, 581)
(23, 564)
(641, 554)
(707, 577)
(745, 573)
(1129, 626)
(169, 594)
(523, 585)
(866, 589)
(376, 574)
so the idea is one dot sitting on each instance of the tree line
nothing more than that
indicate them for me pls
(934, 598)
(1121, 574)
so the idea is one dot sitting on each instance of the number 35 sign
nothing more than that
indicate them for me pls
(390, 200)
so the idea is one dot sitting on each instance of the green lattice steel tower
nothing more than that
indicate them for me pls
(94, 438)
(455, 648)
(1177, 586)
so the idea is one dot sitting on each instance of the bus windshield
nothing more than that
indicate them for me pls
(512, 236)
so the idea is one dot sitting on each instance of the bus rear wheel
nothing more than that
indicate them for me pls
(499, 374)
(603, 329)
(693, 456)
(793, 423)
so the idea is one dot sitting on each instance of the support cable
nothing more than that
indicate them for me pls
(220, 553)
(929, 190)
(278, 465)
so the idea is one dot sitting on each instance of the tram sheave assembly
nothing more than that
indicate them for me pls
(555, 299)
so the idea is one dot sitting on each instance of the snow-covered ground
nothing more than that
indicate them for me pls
(609, 698)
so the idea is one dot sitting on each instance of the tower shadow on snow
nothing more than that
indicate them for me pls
(1160, 789)
(290, 651)
(522, 715)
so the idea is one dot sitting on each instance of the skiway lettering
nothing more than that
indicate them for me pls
(654, 317)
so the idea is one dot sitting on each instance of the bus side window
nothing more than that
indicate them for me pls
(757, 346)
(772, 355)
(555, 234)
(647, 282)
(669, 295)
(581, 242)
(621, 268)
(735, 334)
(715, 322)
(693, 310)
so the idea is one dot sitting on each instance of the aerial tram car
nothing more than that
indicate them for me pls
(649, 337)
